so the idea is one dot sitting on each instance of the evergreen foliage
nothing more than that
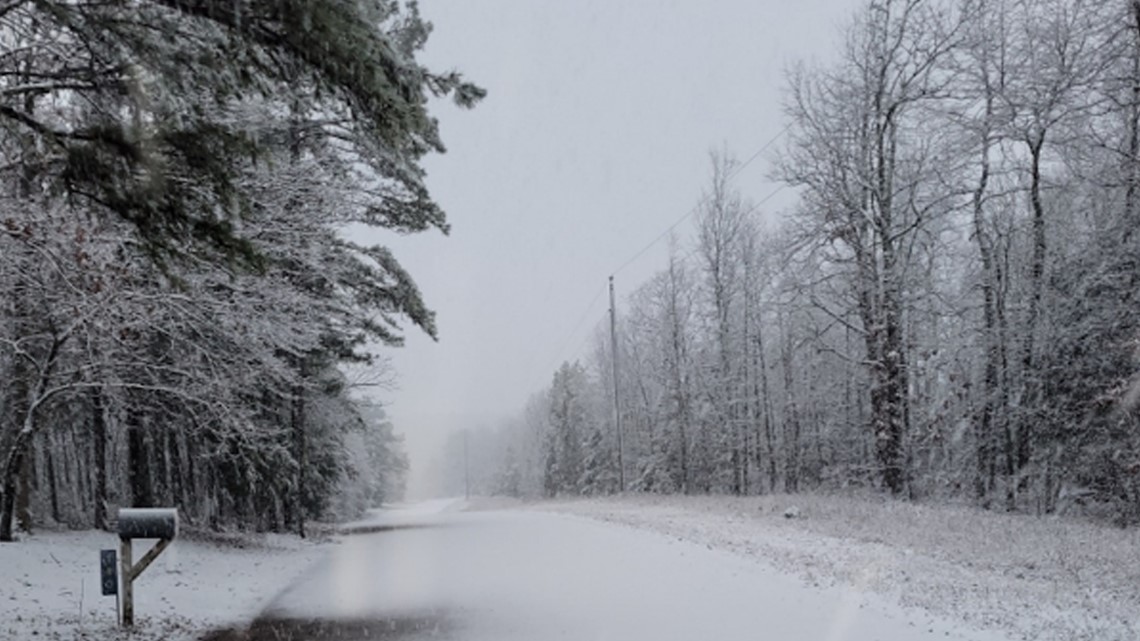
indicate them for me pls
(182, 305)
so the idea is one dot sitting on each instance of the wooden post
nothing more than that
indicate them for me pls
(141, 523)
(131, 571)
(126, 579)
(148, 558)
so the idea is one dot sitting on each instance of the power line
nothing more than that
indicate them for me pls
(751, 209)
(735, 172)
(577, 325)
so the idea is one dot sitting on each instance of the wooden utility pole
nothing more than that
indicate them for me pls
(466, 469)
(617, 402)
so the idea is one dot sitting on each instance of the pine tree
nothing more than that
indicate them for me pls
(226, 144)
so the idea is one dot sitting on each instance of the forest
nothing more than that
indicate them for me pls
(184, 319)
(948, 312)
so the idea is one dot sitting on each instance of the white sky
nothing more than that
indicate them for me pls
(594, 138)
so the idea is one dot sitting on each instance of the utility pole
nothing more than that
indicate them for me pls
(617, 403)
(466, 470)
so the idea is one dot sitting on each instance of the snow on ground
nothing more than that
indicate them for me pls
(529, 576)
(49, 585)
(1033, 578)
(398, 515)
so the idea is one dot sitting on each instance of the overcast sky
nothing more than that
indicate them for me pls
(594, 138)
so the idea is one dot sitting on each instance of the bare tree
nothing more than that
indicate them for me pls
(855, 154)
(720, 224)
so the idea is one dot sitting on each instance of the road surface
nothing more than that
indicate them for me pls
(533, 576)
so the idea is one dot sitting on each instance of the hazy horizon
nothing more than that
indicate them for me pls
(593, 139)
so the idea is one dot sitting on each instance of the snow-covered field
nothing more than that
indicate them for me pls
(49, 585)
(1046, 579)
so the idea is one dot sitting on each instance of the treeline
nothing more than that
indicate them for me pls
(948, 312)
(185, 320)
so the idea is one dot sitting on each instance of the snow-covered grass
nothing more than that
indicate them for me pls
(49, 585)
(1047, 579)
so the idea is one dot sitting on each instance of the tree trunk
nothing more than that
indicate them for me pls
(13, 464)
(1018, 446)
(50, 470)
(769, 429)
(680, 392)
(99, 436)
(24, 492)
(892, 402)
(138, 462)
(176, 467)
(1132, 170)
(16, 459)
(300, 446)
(984, 422)
(791, 421)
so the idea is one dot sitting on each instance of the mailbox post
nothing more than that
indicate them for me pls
(141, 523)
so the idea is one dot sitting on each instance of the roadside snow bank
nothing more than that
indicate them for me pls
(1046, 579)
(49, 585)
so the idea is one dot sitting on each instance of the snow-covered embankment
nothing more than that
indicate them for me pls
(1037, 578)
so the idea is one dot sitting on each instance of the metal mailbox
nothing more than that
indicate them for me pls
(141, 523)
(148, 523)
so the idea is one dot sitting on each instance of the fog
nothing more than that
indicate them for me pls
(593, 140)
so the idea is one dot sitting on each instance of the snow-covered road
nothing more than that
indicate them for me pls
(535, 576)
